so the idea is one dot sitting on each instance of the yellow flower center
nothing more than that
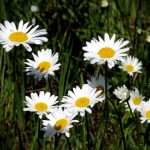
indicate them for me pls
(129, 68)
(41, 106)
(82, 102)
(100, 88)
(44, 66)
(148, 114)
(106, 52)
(18, 37)
(61, 124)
(137, 100)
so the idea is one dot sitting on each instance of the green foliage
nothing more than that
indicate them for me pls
(69, 25)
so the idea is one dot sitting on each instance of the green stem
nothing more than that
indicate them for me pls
(69, 145)
(56, 141)
(87, 130)
(120, 123)
(106, 100)
(38, 136)
(147, 136)
(130, 109)
(83, 135)
(15, 96)
(105, 106)
(50, 87)
(108, 20)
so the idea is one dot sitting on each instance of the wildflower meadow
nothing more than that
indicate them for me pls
(74, 75)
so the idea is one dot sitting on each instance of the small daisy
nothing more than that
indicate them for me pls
(135, 100)
(145, 111)
(44, 64)
(122, 93)
(34, 8)
(131, 65)
(148, 39)
(99, 84)
(42, 104)
(59, 122)
(104, 3)
(80, 100)
(107, 50)
(10, 36)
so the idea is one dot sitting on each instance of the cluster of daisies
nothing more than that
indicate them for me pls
(59, 118)
(134, 101)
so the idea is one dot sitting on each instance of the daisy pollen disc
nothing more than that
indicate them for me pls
(18, 37)
(82, 102)
(44, 66)
(100, 88)
(41, 106)
(129, 68)
(99, 84)
(106, 52)
(148, 114)
(61, 124)
(136, 100)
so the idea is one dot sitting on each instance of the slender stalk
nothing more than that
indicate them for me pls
(50, 87)
(69, 145)
(57, 141)
(87, 130)
(15, 84)
(120, 123)
(108, 20)
(147, 136)
(83, 135)
(15, 96)
(105, 106)
(38, 136)
(136, 119)
(135, 23)
(130, 109)
(106, 100)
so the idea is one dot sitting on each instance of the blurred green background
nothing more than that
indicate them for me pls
(70, 23)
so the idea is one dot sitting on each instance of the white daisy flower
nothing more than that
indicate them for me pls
(99, 84)
(10, 36)
(80, 100)
(135, 100)
(122, 93)
(145, 111)
(59, 122)
(107, 50)
(42, 104)
(131, 65)
(148, 38)
(34, 8)
(44, 64)
(104, 3)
